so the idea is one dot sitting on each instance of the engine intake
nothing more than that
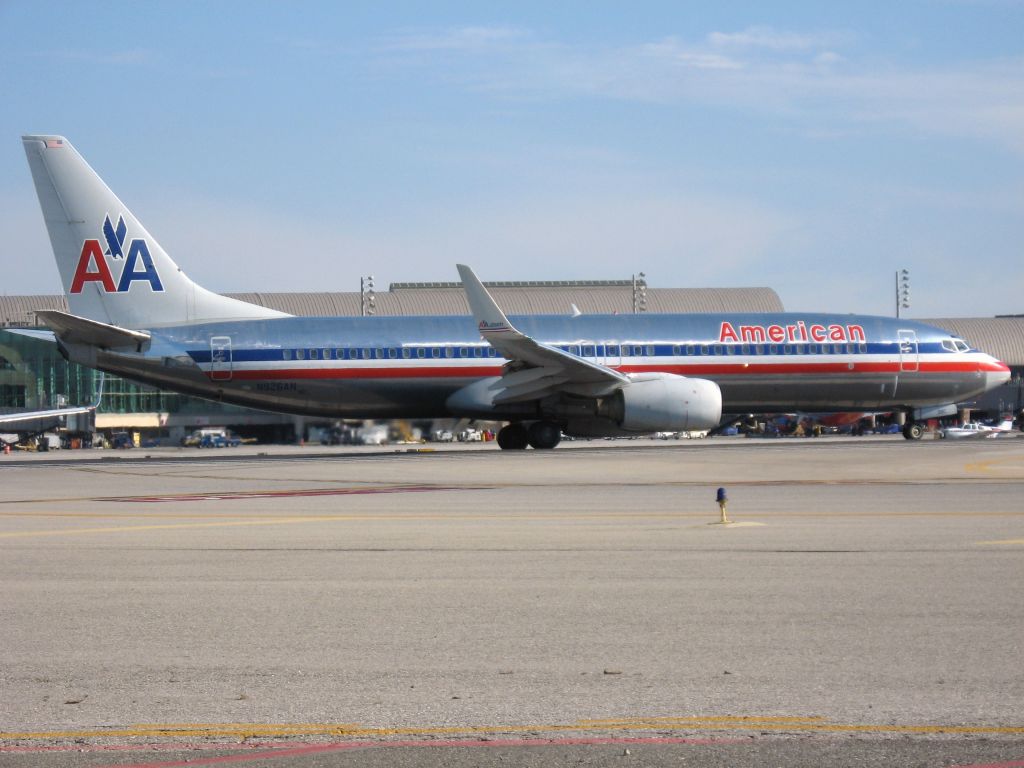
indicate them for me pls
(665, 402)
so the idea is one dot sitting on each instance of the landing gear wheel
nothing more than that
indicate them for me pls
(512, 437)
(544, 434)
(913, 431)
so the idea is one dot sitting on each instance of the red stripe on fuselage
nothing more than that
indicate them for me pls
(734, 369)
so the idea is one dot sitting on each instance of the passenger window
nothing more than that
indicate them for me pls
(406, 353)
(314, 354)
(675, 350)
(773, 349)
(300, 354)
(421, 352)
(392, 353)
(745, 349)
(449, 352)
(463, 352)
(588, 350)
(689, 349)
(863, 348)
(613, 350)
(649, 351)
(327, 354)
(703, 349)
(435, 352)
(286, 354)
(760, 349)
(491, 352)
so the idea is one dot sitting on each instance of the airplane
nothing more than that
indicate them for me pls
(976, 429)
(135, 313)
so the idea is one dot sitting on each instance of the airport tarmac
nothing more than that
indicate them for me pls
(476, 607)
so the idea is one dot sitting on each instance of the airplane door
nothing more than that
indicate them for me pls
(220, 358)
(909, 360)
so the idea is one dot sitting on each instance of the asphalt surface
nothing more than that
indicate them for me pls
(472, 607)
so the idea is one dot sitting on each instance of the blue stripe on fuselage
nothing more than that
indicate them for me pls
(265, 339)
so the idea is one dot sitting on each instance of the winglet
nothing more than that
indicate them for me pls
(488, 315)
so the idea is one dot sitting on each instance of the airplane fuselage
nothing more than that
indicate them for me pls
(409, 367)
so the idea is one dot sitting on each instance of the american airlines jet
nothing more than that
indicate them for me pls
(134, 312)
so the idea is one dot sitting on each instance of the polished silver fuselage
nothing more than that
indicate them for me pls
(408, 367)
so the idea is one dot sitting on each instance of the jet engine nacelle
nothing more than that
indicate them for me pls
(664, 402)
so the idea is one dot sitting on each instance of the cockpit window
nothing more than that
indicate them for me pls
(948, 345)
(961, 345)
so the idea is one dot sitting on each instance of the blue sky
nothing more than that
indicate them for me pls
(811, 147)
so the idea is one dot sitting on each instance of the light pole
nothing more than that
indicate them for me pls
(639, 293)
(902, 290)
(367, 298)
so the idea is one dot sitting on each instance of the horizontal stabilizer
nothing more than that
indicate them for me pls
(80, 330)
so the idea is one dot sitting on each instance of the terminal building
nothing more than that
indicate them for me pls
(34, 376)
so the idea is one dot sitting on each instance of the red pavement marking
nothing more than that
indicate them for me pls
(233, 495)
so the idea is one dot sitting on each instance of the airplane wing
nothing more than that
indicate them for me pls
(535, 370)
(11, 419)
(32, 420)
(34, 333)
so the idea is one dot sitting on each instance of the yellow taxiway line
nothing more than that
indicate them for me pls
(266, 730)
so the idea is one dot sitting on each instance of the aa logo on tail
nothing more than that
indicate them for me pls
(137, 265)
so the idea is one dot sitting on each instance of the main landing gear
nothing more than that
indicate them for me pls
(540, 435)
(913, 431)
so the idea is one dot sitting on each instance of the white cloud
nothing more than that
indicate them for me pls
(466, 39)
(771, 39)
(672, 50)
(799, 76)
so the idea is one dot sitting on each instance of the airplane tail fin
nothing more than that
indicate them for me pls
(112, 269)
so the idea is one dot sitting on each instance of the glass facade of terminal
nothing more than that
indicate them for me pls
(34, 376)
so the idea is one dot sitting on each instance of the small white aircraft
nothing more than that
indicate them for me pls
(974, 429)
